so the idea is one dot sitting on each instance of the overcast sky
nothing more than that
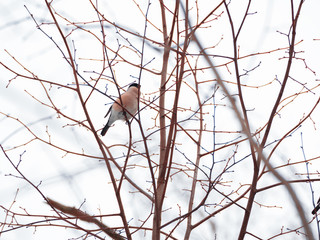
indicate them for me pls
(73, 179)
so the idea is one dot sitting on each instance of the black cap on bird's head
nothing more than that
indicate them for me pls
(134, 85)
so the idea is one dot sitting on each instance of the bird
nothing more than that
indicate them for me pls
(124, 107)
(314, 211)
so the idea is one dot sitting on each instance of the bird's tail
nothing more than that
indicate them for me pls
(105, 129)
(314, 211)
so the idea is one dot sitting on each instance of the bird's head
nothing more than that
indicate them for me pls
(134, 85)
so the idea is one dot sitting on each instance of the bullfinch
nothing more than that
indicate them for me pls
(125, 108)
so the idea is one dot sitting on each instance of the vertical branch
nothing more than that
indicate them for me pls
(157, 203)
(196, 167)
(288, 68)
(173, 125)
(235, 60)
(157, 194)
(256, 165)
(163, 159)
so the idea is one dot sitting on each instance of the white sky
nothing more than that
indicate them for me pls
(70, 179)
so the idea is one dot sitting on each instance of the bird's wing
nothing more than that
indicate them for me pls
(108, 112)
